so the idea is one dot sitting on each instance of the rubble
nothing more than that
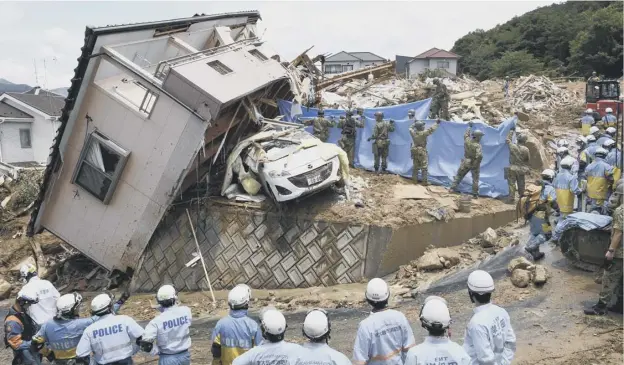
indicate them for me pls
(540, 275)
(519, 263)
(521, 278)
(5, 288)
(430, 261)
(489, 238)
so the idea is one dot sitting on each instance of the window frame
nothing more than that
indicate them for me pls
(220, 65)
(447, 63)
(29, 138)
(258, 55)
(115, 177)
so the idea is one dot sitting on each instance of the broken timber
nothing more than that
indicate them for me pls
(378, 70)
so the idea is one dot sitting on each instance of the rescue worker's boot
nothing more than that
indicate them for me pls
(598, 309)
(535, 253)
(376, 168)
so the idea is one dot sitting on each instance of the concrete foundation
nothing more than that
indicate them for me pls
(265, 250)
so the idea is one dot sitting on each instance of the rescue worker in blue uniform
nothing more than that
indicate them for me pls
(599, 176)
(539, 223)
(170, 330)
(587, 121)
(586, 156)
(609, 119)
(566, 186)
(19, 328)
(62, 333)
(437, 347)
(317, 328)
(112, 339)
(237, 333)
(490, 338)
(600, 137)
(385, 336)
(614, 158)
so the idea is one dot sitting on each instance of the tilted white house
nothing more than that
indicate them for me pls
(149, 106)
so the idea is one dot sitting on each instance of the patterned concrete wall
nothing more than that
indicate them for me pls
(261, 249)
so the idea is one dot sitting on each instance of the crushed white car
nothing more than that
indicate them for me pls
(288, 163)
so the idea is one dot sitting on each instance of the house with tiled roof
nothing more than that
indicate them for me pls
(28, 124)
(350, 61)
(434, 58)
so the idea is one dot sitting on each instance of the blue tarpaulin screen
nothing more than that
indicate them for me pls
(445, 146)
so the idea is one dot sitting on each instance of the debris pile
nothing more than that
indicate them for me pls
(523, 273)
(538, 93)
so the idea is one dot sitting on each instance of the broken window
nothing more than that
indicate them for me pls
(220, 67)
(100, 166)
(443, 64)
(25, 140)
(258, 55)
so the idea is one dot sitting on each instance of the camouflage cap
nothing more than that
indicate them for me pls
(321, 112)
(419, 124)
(379, 114)
(477, 133)
(522, 138)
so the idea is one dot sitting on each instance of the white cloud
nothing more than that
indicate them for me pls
(11, 12)
(55, 35)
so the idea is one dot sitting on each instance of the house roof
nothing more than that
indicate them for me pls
(50, 105)
(354, 56)
(8, 111)
(91, 35)
(42, 92)
(436, 53)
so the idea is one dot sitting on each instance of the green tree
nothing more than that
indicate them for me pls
(516, 63)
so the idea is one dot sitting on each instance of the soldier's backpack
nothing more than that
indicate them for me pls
(527, 204)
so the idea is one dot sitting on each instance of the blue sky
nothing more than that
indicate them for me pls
(34, 32)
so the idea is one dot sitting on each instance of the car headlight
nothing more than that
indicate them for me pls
(278, 173)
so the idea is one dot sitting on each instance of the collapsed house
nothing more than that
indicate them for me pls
(150, 106)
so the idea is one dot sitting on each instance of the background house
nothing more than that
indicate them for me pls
(434, 58)
(351, 61)
(28, 124)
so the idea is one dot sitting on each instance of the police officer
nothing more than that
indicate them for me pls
(489, 338)
(586, 156)
(519, 157)
(347, 141)
(599, 175)
(420, 157)
(610, 132)
(45, 309)
(385, 336)
(237, 333)
(19, 328)
(439, 105)
(600, 137)
(320, 125)
(539, 219)
(609, 120)
(472, 159)
(587, 121)
(437, 347)
(566, 186)
(112, 338)
(316, 328)
(612, 276)
(170, 330)
(274, 350)
(62, 333)
(381, 140)
(614, 158)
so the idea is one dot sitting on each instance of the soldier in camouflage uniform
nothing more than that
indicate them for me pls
(419, 149)
(440, 103)
(320, 126)
(347, 141)
(612, 277)
(471, 161)
(518, 164)
(381, 137)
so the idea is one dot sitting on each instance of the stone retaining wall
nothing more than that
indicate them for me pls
(265, 250)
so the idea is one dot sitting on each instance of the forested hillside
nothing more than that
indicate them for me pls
(569, 39)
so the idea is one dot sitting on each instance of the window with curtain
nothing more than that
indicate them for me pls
(100, 166)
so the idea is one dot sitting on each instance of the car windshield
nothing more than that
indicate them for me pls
(284, 146)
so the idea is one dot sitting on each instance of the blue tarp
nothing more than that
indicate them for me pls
(445, 146)
(583, 220)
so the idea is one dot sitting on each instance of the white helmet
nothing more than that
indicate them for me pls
(28, 295)
(101, 304)
(274, 322)
(316, 324)
(68, 303)
(435, 313)
(562, 150)
(377, 290)
(246, 287)
(563, 143)
(548, 174)
(480, 282)
(608, 144)
(594, 130)
(601, 151)
(590, 139)
(238, 297)
(581, 140)
(609, 110)
(28, 270)
(611, 131)
(589, 111)
(567, 162)
(166, 295)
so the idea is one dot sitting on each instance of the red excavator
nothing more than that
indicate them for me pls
(603, 94)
